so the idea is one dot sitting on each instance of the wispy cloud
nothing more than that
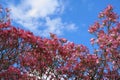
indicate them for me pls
(35, 14)
(57, 26)
(88, 4)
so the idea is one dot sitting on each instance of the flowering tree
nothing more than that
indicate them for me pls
(24, 56)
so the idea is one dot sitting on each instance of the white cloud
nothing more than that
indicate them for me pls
(71, 27)
(57, 26)
(35, 14)
(35, 8)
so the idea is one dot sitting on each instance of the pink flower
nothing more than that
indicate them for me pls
(97, 61)
(92, 40)
(63, 40)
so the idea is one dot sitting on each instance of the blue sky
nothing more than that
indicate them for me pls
(66, 18)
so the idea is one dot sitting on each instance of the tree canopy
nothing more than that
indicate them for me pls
(24, 56)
